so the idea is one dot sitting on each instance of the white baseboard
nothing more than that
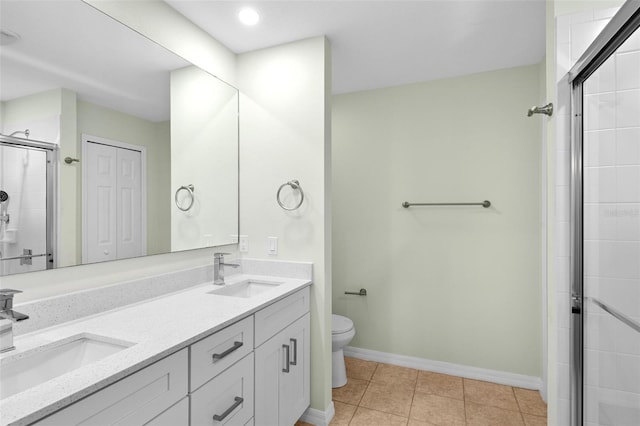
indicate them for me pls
(501, 377)
(317, 417)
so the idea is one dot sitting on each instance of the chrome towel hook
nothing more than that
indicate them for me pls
(189, 188)
(295, 185)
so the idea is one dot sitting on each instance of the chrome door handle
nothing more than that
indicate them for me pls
(218, 357)
(286, 358)
(294, 343)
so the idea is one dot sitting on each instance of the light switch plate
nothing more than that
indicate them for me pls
(272, 245)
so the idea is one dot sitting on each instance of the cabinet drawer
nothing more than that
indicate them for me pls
(134, 400)
(212, 355)
(229, 397)
(277, 316)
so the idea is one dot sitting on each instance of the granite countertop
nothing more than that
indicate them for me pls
(157, 328)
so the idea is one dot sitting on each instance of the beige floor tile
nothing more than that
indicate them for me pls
(359, 368)
(396, 375)
(351, 393)
(437, 410)
(394, 399)
(531, 402)
(414, 422)
(530, 420)
(344, 413)
(301, 423)
(440, 384)
(485, 415)
(366, 417)
(492, 394)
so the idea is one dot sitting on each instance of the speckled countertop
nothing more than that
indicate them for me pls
(158, 327)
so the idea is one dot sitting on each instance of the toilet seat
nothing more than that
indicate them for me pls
(340, 324)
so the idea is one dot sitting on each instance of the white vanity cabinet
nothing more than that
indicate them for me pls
(252, 372)
(135, 400)
(282, 371)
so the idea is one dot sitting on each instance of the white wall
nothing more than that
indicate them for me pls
(453, 284)
(283, 132)
(204, 153)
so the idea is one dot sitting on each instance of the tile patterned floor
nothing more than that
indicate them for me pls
(383, 394)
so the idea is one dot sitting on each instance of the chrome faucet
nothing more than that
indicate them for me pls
(218, 268)
(7, 313)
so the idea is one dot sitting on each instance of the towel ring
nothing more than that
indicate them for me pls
(295, 185)
(189, 188)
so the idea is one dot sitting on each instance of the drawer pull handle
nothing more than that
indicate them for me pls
(236, 346)
(221, 417)
(286, 358)
(294, 343)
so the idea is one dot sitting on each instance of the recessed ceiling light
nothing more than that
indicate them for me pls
(248, 16)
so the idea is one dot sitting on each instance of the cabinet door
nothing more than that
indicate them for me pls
(134, 400)
(295, 386)
(282, 376)
(178, 415)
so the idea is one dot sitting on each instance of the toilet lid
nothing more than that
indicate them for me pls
(340, 324)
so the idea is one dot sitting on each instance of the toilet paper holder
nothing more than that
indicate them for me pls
(362, 292)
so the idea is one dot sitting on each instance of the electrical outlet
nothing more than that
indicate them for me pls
(272, 245)
(243, 244)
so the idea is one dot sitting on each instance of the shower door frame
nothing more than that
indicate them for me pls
(51, 152)
(621, 26)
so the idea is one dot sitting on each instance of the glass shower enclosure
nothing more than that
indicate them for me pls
(27, 188)
(605, 293)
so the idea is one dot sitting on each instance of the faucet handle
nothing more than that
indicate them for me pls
(220, 255)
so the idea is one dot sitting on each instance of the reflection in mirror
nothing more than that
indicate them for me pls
(135, 123)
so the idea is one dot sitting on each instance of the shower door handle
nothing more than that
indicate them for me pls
(576, 304)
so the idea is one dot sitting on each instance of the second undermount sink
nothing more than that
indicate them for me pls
(246, 289)
(26, 370)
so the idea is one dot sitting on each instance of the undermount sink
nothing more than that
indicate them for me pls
(246, 289)
(26, 370)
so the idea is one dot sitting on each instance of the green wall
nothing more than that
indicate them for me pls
(453, 284)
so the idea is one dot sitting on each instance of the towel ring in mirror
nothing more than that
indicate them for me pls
(295, 185)
(189, 188)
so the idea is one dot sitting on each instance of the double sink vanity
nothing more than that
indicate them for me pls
(205, 355)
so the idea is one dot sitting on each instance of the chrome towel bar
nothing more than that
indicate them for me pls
(617, 314)
(486, 204)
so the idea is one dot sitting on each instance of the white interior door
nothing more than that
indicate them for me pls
(114, 208)
(100, 203)
(129, 206)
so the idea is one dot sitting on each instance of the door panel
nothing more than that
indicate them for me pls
(101, 218)
(611, 241)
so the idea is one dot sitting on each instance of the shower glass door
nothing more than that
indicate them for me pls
(606, 293)
(25, 207)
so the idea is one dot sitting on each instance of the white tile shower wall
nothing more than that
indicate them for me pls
(611, 228)
(612, 241)
(24, 179)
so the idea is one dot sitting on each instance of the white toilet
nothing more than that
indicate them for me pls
(342, 331)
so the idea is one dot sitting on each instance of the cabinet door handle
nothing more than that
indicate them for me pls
(294, 343)
(218, 357)
(221, 417)
(286, 358)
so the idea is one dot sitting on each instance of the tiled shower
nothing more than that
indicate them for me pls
(611, 224)
(23, 219)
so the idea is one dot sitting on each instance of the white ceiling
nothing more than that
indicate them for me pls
(386, 43)
(70, 44)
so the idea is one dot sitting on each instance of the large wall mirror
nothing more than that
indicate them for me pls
(112, 147)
